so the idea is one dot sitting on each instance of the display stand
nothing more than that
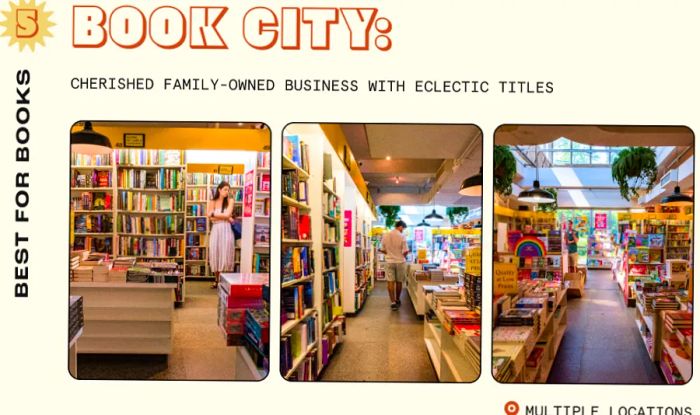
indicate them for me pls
(529, 357)
(452, 359)
(126, 318)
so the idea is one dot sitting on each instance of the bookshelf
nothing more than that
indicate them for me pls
(678, 239)
(526, 352)
(600, 250)
(256, 216)
(199, 189)
(299, 295)
(150, 203)
(92, 194)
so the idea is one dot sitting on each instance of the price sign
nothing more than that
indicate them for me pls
(505, 278)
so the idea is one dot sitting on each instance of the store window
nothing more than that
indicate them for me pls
(565, 152)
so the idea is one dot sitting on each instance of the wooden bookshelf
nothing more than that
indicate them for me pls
(159, 174)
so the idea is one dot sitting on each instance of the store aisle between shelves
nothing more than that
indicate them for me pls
(382, 345)
(601, 344)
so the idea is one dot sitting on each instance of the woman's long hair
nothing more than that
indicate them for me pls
(217, 194)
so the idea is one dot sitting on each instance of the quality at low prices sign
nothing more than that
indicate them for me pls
(505, 278)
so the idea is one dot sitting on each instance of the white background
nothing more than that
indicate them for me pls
(622, 62)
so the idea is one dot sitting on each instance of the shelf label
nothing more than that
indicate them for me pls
(347, 229)
(505, 278)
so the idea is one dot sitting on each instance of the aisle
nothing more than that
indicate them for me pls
(382, 345)
(199, 349)
(601, 344)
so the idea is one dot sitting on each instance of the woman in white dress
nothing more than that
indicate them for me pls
(221, 239)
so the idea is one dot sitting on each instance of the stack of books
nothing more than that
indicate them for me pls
(502, 369)
(100, 273)
(237, 294)
(75, 316)
(257, 335)
(82, 273)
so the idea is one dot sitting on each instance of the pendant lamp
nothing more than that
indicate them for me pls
(423, 223)
(677, 198)
(471, 186)
(536, 195)
(89, 141)
(433, 218)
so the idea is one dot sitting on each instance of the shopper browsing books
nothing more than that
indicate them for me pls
(395, 248)
(221, 238)
(571, 245)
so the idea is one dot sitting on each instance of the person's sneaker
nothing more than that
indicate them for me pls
(398, 303)
(394, 306)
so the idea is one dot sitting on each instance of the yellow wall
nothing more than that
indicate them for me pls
(336, 138)
(189, 138)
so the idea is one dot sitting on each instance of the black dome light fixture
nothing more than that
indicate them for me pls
(677, 198)
(89, 141)
(433, 218)
(471, 186)
(536, 195)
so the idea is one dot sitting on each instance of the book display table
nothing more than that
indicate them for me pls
(126, 318)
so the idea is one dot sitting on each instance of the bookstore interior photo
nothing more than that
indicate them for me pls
(344, 187)
(592, 254)
(169, 250)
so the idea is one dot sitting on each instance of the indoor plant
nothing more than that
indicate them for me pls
(390, 213)
(634, 168)
(504, 170)
(549, 207)
(457, 214)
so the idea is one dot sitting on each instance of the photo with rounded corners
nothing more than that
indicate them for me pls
(381, 252)
(593, 254)
(169, 259)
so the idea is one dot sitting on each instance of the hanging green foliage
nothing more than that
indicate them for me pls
(504, 169)
(457, 214)
(549, 207)
(391, 214)
(634, 168)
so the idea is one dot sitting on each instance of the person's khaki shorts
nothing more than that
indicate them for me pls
(395, 271)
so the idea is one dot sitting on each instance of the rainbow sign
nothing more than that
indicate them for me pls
(530, 246)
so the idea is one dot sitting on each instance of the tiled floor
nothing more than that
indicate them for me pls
(382, 345)
(601, 344)
(199, 349)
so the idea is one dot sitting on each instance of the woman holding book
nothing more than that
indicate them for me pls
(221, 238)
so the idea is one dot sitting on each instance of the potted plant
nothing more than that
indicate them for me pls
(549, 207)
(390, 213)
(457, 214)
(634, 168)
(504, 169)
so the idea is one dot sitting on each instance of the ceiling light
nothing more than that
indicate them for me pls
(388, 157)
(89, 141)
(536, 195)
(397, 180)
(471, 186)
(433, 218)
(424, 223)
(677, 198)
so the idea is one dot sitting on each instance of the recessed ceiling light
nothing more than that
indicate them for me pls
(388, 157)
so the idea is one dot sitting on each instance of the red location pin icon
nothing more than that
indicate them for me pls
(512, 408)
